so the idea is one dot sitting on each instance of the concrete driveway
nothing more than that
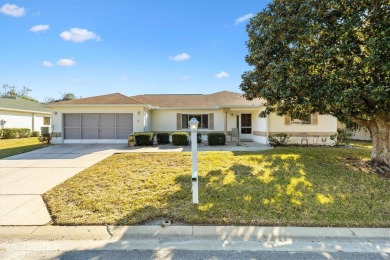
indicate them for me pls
(25, 177)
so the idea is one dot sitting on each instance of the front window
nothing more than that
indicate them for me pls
(46, 120)
(203, 120)
(301, 121)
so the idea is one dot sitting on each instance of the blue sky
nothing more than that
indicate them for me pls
(94, 47)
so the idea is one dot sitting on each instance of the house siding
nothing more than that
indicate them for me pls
(326, 126)
(16, 119)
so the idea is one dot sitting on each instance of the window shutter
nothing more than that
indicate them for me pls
(178, 121)
(287, 120)
(314, 119)
(211, 121)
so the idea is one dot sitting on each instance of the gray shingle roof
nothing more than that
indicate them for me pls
(22, 104)
(109, 99)
(219, 99)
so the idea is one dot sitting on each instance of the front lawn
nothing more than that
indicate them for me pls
(9, 147)
(291, 186)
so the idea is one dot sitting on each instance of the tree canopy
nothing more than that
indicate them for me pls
(14, 92)
(330, 57)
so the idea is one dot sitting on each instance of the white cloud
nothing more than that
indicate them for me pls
(12, 10)
(47, 64)
(243, 18)
(185, 78)
(79, 35)
(39, 28)
(221, 75)
(180, 57)
(66, 62)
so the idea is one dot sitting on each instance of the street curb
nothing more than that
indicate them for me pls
(221, 233)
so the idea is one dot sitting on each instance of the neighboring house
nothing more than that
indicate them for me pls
(22, 113)
(113, 117)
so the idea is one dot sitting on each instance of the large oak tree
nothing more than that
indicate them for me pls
(326, 57)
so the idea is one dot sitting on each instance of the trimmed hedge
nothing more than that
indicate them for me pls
(144, 139)
(216, 138)
(162, 138)
(12, 133)
(180, 138)
(34, 133)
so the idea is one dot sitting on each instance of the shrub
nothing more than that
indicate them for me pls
(199, 138)
(279, 139)
(45, 138)
(131, 140)
(216, 138)
(162, 138)
(180, 138)
(144, 139)
(34, 133)
(11, 133)
(341, 137)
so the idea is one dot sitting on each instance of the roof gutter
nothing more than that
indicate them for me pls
(98, 105)
(22, 110)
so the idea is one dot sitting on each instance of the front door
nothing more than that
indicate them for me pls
(246, 127)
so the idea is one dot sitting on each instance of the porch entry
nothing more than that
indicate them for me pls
(244, 124)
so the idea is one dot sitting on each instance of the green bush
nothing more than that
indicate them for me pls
(279, 139)
(162, 138)
(342, 137)
(144, 139)
(45, 138)
(11, 133)
(34, 133)
(180, 138)
(131, 140)
(216, 138)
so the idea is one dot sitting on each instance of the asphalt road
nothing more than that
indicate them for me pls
(186, 254)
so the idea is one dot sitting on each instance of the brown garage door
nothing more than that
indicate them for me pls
(98, 125)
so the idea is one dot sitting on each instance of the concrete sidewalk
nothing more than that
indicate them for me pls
(233, 233)
(242, 238)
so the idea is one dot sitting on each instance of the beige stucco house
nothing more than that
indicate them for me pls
(22, 113)
(112, 118)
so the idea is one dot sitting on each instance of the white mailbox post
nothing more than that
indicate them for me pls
(194, 148)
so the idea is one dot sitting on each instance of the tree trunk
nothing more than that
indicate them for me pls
(380, 134)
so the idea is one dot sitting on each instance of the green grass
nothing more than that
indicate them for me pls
(294, 186)
(9, 147)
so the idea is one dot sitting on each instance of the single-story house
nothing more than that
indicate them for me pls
(22, 113)
(112, 118)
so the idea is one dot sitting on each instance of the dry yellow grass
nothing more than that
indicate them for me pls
(291, 186)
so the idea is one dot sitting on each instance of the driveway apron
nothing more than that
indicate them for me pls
(25, 177)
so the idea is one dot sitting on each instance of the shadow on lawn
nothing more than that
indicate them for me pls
(278, 193)
(18, 150)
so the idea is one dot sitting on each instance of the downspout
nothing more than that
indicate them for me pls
(32, 122)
